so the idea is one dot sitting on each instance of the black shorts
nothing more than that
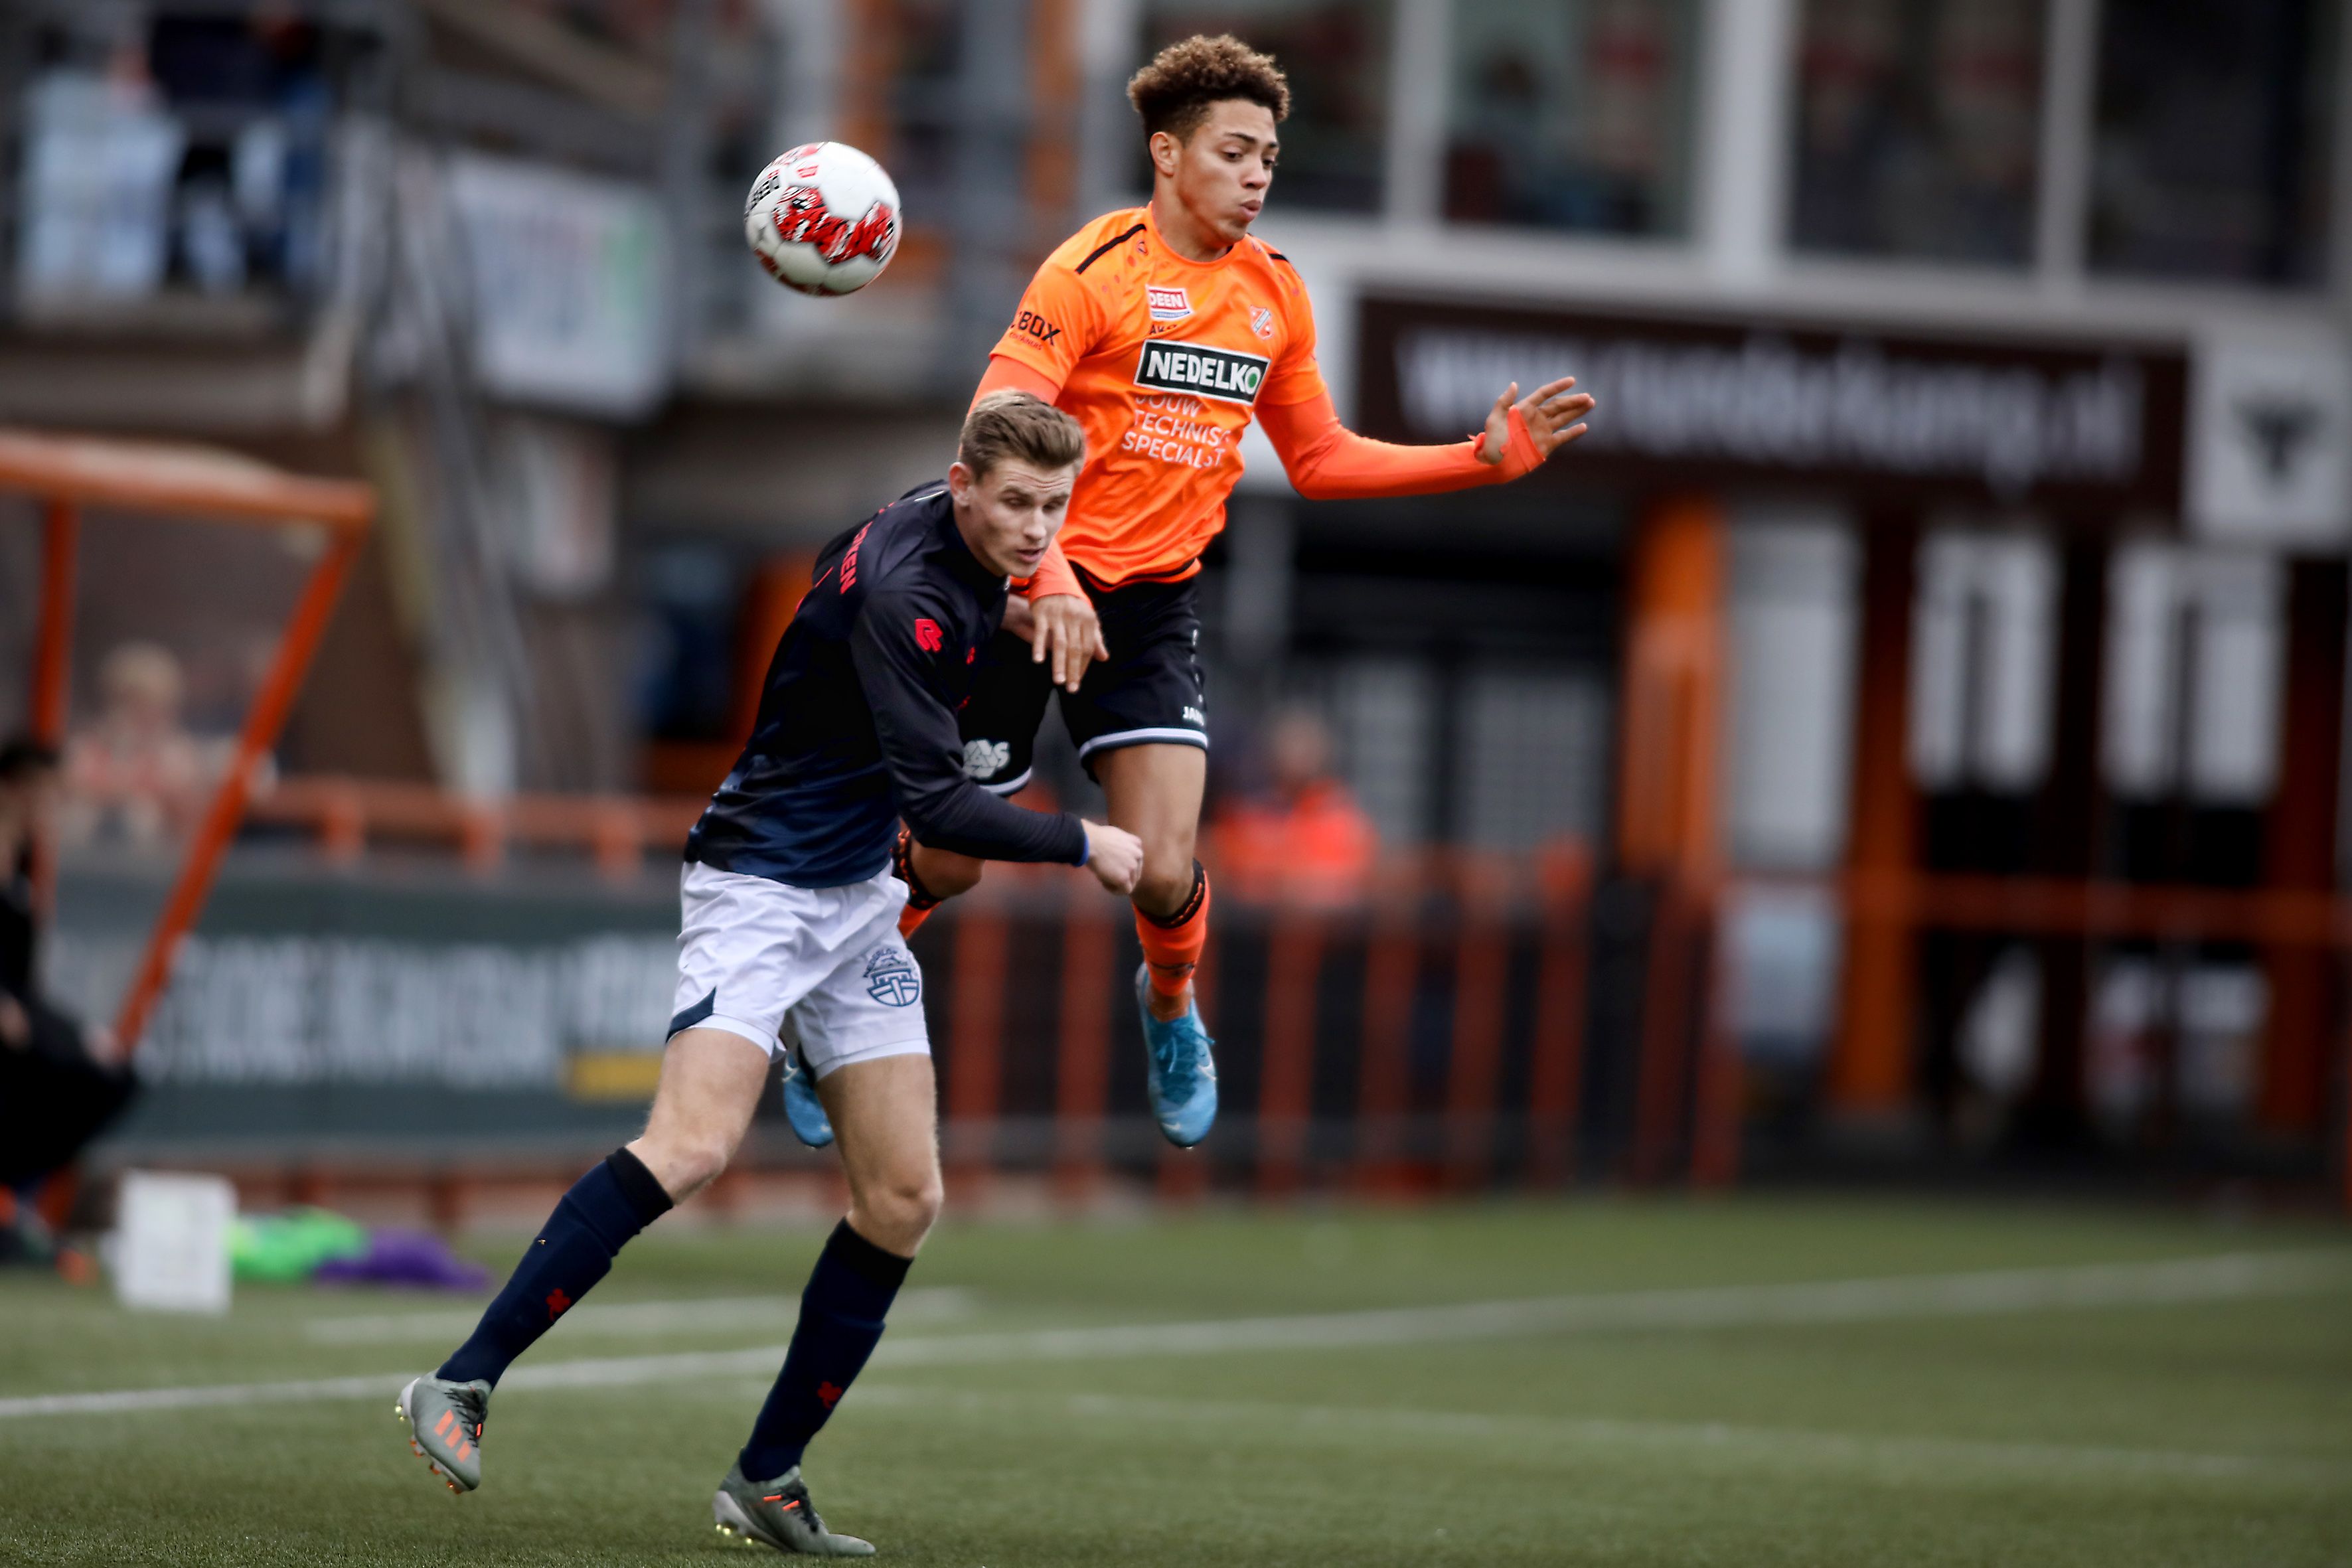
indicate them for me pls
(1148, 692)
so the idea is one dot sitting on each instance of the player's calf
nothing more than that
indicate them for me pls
(574, 1249)
(709, 1083)
(884, 1117)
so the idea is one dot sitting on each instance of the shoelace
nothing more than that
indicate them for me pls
(1180, 1047)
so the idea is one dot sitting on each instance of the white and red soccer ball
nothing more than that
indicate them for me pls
(822, 218)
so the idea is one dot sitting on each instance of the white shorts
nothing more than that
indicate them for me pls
(753, 953)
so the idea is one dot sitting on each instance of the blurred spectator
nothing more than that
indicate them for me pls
(94, 202)
(1306, 839)
(136, 775)
(58, 1086)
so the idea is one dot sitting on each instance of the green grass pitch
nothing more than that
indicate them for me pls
(2132, 1414)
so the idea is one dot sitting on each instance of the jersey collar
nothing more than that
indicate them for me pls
(1160, 240)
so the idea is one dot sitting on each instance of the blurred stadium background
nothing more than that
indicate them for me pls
(1905, 742)
(1894, 767)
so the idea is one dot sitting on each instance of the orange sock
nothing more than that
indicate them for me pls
(1173, 947)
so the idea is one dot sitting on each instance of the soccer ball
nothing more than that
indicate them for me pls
(822, 218)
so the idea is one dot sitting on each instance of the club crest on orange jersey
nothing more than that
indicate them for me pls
(1261, 320)
(1168, 304)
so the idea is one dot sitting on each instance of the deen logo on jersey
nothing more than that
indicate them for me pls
(1227, 374)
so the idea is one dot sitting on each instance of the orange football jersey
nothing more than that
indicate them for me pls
(1161, 360)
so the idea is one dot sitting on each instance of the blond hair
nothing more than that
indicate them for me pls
(1022, 426)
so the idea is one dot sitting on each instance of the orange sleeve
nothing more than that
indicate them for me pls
(1006, 374)
(1054, 326)
(1296, 377)
(1327, 461)
(1052, 576)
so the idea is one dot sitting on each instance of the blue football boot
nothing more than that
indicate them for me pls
(1180, 1076)
(803, 1109)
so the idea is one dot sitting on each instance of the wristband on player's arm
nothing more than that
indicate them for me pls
(1520, 457)
(1327, 461)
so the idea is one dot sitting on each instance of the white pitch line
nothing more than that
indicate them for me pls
(940, 1304)
(1380, 1426)
(2213, 1279)
(2219, 1277)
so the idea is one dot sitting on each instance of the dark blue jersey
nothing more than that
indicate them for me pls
(857, 724)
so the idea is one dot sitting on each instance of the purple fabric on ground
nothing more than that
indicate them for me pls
(410, 1258)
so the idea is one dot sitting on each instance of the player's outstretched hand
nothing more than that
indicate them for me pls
(1553, 414)
(1061, 629)
(1115, 856)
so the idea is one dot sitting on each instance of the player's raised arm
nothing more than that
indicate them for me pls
(1327, 461)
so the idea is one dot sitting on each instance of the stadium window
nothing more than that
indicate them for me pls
(1984, 660)
(1917, 129)
(2210, 154)
(1337, 57)
(1572, 115)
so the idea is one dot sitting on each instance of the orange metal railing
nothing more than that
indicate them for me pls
(1507, 944)
(349, 816)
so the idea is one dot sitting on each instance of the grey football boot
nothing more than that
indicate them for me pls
(778, 1513)
(445, 1427)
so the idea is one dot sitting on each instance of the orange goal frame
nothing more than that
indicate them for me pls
(68, 473)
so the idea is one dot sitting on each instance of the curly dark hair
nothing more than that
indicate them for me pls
(1174, 91)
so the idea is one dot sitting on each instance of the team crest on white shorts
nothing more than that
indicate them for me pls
(985, 758)
(891, 977)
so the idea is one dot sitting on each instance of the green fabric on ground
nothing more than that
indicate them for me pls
(289, 1246)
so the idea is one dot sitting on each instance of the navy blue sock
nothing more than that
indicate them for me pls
(849, 1294)
(603, 1209)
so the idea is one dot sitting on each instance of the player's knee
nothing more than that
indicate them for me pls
(916, 1200)
(685, 1159)
(1165, 885)
(903, 1205)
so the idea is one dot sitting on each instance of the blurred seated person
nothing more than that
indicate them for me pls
(136, 775)
(58, 1086)
(1306, 839)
